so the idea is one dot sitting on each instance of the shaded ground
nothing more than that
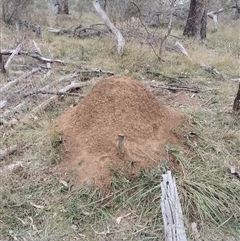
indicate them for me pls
(116, 105)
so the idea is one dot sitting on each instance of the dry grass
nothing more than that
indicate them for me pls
(39, 203)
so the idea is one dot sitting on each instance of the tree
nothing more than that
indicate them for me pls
(197, 19)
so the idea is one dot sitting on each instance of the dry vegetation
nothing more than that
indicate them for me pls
(39, 203)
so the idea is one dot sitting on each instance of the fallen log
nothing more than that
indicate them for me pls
(33, 55)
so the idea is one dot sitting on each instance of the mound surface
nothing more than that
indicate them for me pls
(116, 105)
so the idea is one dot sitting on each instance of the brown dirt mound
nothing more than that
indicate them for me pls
(116, 105)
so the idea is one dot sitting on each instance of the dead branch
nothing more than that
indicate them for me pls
(7, 151)
(213, 16)
(47, 102)
(171, 210)
(37, 48)
(182, 50)
(176, 88)
(36, 92)
(214, 71)
(15, 81)
(14, 52)
(2, 103)
(33, 55)
(112, 28)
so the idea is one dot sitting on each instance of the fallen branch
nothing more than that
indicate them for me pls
(182, 50)
(176, 88)
(36, 92)
(33, 55)
(214, 71)
(15, 81)
(7, 151)
(15, 52)
(44, 104)
(2, 103)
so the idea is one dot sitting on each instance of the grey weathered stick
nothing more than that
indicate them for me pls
(171, 210)
(113, 29)
(15, 52)
(121, 143)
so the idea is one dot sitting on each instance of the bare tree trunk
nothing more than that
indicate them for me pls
(112, 28)
(197, 19)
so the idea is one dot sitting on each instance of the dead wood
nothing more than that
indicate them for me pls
(15, 81)
(171, 210)
(33, 55)
(36, 92)
(214, 71)
(112, 28)
(236, 104)
(14, 52)
(180, 47)
(176, 88)
(7, 151)
(2, 103)
(47, 102)
(213, 16)
(235, 171)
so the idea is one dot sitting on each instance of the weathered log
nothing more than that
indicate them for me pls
(171, 210)
(112, 28)
(236, 103)
(33, 55)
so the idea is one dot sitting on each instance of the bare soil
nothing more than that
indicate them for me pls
(117, 105)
